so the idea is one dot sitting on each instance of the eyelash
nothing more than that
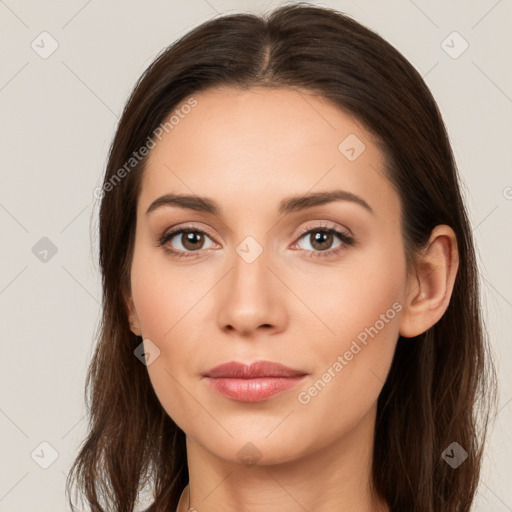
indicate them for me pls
(346, 239)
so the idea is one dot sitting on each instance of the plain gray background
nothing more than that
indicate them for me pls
(58, 118)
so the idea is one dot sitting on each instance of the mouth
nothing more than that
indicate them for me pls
(252, 383)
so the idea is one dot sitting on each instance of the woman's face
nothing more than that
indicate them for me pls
(263, 279)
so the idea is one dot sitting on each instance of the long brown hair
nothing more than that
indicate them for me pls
(441, 384)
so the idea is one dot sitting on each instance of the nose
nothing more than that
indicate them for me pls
(251, 298)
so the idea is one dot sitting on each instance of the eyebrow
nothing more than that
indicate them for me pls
(287, 205)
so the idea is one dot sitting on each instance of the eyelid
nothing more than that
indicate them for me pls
(185, 227)
(343, 234)
(321, 224)
(303, 231)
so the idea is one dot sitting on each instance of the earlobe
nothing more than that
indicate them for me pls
(430, 289)
(133, 318)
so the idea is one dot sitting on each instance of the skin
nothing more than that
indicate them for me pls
(248, 150)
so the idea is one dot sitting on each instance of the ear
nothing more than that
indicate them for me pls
(429, 290)
(133, 318)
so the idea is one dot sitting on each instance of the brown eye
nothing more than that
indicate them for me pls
(192, 240)
(185, 241)
(321, 240)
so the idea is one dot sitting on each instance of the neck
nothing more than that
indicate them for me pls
(334, 477)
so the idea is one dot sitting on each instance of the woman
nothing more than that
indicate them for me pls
(291, 315)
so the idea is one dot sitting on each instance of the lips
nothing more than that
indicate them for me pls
(252, 383)
(255, 370)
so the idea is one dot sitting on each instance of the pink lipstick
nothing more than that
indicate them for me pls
(252, 383)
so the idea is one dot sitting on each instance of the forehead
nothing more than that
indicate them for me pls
(242, 146)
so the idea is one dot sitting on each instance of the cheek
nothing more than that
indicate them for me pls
(352, 367)
(168, 303)
(164, 294)
(347, 300)
(361, 305)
